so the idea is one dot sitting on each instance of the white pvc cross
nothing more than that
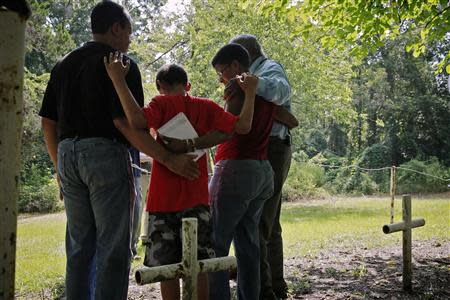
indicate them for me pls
(189, 267)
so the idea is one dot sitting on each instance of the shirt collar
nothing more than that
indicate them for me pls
(256, 63)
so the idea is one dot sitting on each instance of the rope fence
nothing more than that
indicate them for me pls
(393, 177)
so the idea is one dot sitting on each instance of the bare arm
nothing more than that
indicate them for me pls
(51, 142)
(51, 139)
(117, 72)
(284, 116)
(208, 140)
(140, 138)
(248, 83)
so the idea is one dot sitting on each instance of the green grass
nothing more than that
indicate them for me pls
(348, 223)
(40, 255)
(307, 228)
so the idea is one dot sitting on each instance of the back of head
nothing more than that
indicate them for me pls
(250, 43)
(105, 14)
(171, 75)
(228, 53)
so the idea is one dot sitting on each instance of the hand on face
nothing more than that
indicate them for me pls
(247, 82)
(115, 67)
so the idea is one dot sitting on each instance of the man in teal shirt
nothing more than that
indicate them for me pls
(274, 87)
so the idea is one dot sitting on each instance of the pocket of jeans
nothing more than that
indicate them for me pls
(106, 168)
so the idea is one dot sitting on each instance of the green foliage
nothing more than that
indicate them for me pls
(375, 157)
(304, 181)
(315, 142)
(366, 25)
(318, 79)
(40, 193)
(353, 181)
(413, 182)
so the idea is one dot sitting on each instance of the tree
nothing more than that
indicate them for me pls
(365, 25)
(12, 31)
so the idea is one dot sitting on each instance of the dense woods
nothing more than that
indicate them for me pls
(364, 100)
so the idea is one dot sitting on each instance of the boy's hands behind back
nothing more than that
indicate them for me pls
(115, 67)
(174, 145)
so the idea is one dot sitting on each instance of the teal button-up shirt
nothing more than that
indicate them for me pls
(273, 86)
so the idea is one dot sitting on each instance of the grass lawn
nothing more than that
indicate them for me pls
(307, 228)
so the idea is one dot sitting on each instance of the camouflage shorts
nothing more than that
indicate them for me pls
(164, 229)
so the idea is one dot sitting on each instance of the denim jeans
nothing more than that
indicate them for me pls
(98, 189)
(271, 241)
(238, 191)
(137, 212)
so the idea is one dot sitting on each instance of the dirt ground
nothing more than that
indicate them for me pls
(357, 274)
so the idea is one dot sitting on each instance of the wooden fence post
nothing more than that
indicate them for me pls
(392, 190)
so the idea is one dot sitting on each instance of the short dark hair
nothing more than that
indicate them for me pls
(171, 74)
(105, 14)
(231, 52)
(249, 42)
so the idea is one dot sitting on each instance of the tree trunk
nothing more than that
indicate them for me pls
(12, 30)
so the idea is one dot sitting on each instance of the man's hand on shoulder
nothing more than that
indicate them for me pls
(183, 165)
(115, 67)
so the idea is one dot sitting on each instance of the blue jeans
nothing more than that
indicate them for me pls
(238, 190)
(98, 189)
(137, 212)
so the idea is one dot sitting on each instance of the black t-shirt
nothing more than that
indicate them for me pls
(81, 98)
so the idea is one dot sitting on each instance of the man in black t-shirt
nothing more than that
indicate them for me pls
(87, 136)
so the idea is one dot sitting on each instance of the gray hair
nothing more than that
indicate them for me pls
(250, 43)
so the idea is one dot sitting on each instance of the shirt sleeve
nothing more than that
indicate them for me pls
(272, 83)
(154, 113)
(219, 119)
(49, 104)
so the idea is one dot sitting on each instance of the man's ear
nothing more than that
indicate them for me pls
(115, 28)
(188, 86)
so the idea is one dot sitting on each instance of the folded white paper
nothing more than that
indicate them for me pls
(179, 127)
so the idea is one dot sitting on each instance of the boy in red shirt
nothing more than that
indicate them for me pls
(242, 182)
(171, 197)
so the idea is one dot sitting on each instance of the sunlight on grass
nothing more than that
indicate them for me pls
(40, 253)
(351, 223)
(307, 228)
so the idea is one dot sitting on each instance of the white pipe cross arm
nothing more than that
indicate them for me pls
(146, 275)
(189, 267)
(390, 228)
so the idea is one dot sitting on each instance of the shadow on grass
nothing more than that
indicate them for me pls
(328, 212)
(371, 274)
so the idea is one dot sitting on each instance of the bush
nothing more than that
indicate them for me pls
(304, 181)
(413, 182)
(374, 157)
(353, 181)
(39, 193)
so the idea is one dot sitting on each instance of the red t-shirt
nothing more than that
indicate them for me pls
(254, 144)
(169, 192)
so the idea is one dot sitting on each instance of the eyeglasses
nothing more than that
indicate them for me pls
(220, 73)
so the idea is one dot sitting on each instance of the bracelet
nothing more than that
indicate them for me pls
(186, 143)
(194, 146)
(190, 146)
